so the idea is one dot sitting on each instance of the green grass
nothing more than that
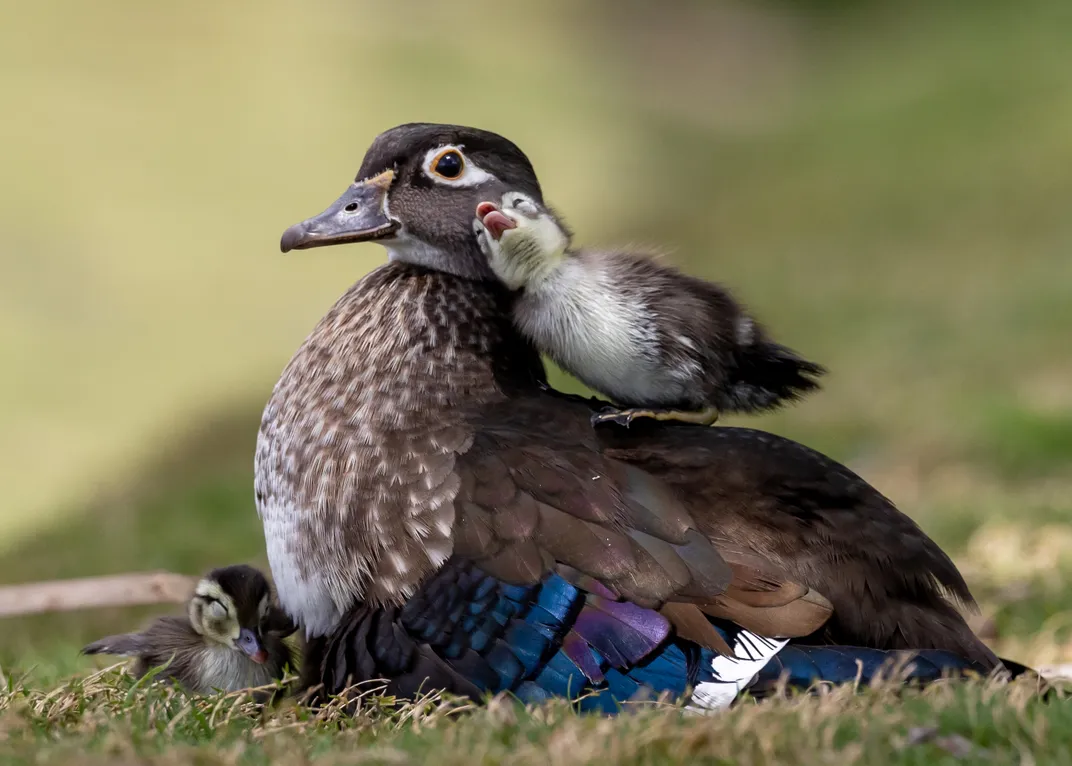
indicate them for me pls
(886, 184)
(108, 718)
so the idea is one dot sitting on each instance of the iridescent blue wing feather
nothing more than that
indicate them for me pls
(555, 640)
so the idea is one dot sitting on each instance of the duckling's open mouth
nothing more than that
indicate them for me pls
(494, 219)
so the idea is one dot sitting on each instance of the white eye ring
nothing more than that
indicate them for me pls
(471, 175)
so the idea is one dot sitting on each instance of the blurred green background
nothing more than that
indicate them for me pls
(887, 185)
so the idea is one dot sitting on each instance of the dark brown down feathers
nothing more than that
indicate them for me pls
(177, 651)
(699, 325)
(197, 662)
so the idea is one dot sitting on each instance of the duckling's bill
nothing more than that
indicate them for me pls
(494, 219)
(250, 643)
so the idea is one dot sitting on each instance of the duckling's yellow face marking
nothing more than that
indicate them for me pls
(527, 252)
(449, 166)
(212, 614)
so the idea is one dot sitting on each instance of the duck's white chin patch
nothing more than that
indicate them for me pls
(408, 249)
(411, 250)
(732, 674)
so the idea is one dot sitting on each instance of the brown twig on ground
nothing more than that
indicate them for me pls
(133, 589)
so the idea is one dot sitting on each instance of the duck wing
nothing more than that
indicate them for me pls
(686, 558)
(783, 509)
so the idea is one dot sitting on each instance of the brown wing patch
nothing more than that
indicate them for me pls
(760, 588)
(691, 624)
(800, 617)
(531, 499)
(817, 524)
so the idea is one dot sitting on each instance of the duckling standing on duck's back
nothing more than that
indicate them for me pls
(661, 343)
(231, 638)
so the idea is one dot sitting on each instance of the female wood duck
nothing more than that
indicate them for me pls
(231, 638)
(436, 517)
(664, 344)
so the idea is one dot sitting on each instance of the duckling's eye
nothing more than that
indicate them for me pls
(525, 207)
(449, 164)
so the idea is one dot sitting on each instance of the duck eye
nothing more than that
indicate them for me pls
(525, 207)
(449, 164)
(216, 612)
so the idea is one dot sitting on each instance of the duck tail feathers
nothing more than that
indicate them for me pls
(125, 645)
(768, 376)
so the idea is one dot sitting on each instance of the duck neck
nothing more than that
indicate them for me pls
(408, 340)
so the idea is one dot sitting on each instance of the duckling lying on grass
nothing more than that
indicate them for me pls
(663, 344)
(231, 638)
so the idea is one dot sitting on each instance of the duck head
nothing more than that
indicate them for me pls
(232, 606)
(415, 193)
(523, 240)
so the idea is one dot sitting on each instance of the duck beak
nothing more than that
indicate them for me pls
(250, 643)
(359, 215)
(494, 220)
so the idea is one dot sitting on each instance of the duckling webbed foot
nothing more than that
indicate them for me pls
(624, 417)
